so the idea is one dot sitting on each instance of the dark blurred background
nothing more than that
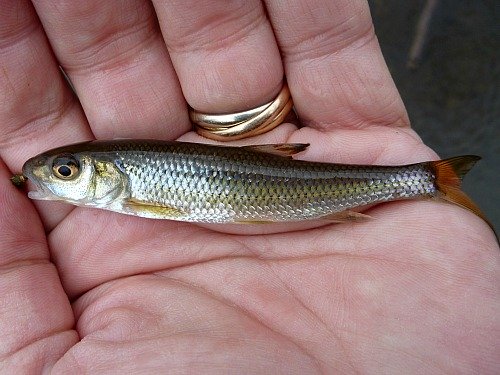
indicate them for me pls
(452, 97)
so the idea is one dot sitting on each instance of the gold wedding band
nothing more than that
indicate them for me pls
(233, 126)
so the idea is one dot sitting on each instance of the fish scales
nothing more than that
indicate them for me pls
(219, 184)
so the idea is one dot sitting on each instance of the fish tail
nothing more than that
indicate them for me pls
(449, 174)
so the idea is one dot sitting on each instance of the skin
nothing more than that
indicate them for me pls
(416, 290)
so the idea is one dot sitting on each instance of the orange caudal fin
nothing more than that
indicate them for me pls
(449, 174)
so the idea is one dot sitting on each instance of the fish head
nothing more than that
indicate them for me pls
(78, 178)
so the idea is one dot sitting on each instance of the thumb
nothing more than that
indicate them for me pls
(36, 320)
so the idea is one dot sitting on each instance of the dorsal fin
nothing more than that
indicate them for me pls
(279, 149)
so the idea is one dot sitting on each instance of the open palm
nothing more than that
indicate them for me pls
(414, 290)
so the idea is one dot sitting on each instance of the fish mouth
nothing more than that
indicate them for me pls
(38, 191)
(36, 188)
(40, 195)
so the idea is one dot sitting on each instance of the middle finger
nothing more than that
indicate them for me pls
(224, 52)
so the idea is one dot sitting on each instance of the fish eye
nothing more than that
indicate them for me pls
(65, 167)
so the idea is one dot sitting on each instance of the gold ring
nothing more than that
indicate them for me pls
(233, 126)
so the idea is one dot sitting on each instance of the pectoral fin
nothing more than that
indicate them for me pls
(346, 217)
(280, 149)
(152, 210)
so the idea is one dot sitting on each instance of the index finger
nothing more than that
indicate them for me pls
(38, 110)
(119, 65)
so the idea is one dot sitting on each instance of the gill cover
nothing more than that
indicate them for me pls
(77, 178)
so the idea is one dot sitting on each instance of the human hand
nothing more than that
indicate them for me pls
(414, 290)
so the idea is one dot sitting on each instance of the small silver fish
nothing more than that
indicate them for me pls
(219, 184)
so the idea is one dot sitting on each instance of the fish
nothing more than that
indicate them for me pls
(255, 184)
